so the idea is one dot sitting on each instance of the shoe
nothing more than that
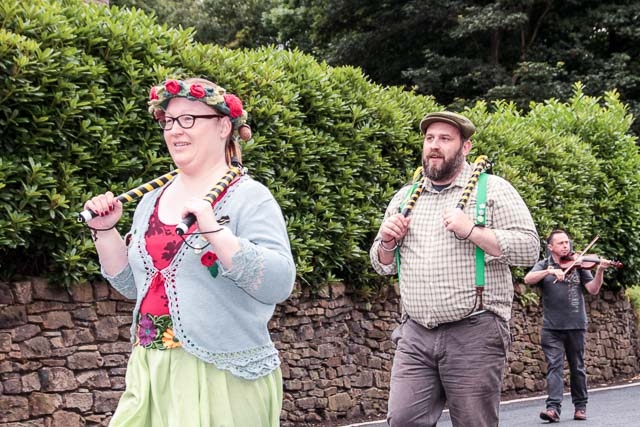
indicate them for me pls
(580, 414)
(550, 415)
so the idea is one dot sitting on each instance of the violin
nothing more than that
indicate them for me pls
(573, 261)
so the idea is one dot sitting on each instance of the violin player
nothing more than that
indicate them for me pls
(562, 279)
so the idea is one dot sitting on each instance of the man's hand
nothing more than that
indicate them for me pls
(556, 272)
(394, 228)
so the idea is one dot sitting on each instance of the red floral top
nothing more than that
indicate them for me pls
(163, 244)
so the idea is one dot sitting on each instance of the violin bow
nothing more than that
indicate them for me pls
(593, 242)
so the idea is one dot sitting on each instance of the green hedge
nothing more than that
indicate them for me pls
(331, 145)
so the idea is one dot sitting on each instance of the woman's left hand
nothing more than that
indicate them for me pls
(203, 212)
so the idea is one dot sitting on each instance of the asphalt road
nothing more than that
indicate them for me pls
(616, 406)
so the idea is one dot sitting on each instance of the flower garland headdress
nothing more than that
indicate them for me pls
(215, 96)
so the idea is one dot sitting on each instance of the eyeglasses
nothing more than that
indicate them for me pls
(186, 121)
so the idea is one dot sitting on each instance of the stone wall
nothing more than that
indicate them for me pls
(63, 354)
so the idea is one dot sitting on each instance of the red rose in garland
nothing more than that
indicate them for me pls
(197, 91)
(234, 104)
(172, 86)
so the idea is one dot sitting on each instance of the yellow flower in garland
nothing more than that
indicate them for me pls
(169, 340)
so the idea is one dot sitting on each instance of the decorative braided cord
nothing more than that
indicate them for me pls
(481, 164)
(407, 205)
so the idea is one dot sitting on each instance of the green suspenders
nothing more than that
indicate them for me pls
(480, 221)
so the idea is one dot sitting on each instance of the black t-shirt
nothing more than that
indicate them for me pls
(563, 301)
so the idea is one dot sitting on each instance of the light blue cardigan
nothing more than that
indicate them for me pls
(221, 320)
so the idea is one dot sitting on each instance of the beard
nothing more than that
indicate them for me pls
(447, 170)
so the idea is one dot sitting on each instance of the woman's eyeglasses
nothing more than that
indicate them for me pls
(186, 121)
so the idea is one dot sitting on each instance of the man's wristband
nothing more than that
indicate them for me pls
(468, 234)
(395, 246)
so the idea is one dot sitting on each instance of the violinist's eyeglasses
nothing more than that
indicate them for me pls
(186, 121)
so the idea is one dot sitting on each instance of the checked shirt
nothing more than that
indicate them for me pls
(437, 277)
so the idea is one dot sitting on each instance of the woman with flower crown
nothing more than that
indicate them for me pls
(202, 354)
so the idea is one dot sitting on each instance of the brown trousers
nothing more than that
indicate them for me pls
(459, 363)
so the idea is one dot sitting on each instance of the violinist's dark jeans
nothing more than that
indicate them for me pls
(555, 344)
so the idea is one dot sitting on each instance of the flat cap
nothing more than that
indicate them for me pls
(461, 122)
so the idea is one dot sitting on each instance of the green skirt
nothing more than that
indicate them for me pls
(172, 388)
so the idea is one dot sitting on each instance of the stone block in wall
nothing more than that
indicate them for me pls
(363, 379)
(376, 394)
(106, 329)
(125, 307)
(44, 291)
(340, 402)
(117, 382)
(105, 401)
(86, 314)
(55, 320)
(115, 360)
(13, 408)
(67, 419)
(93, 379)
(106, 308)
(293, 385)
(36, 347)
(62, 352)
(338, 289)
(44, 403)
(312, 417)
(381, 379)
(22, 292)
(82, 292)
(40, 307)
(5, 342)
(11, 384)
(31, 382)
(80, 401)
(28, 366)
(24, 332)
(6, 296)
(77, 336)
(12, 316)
(55, 363)
(306, 403)
(101, 291)
(85, 360)
(516, 367)
(57, 379)
(326, 350)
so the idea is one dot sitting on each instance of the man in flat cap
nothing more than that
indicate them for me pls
(455, 281)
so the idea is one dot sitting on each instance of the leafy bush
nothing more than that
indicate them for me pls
(331, 146)
(633, 293)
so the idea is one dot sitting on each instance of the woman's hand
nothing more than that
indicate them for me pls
(107, 208)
